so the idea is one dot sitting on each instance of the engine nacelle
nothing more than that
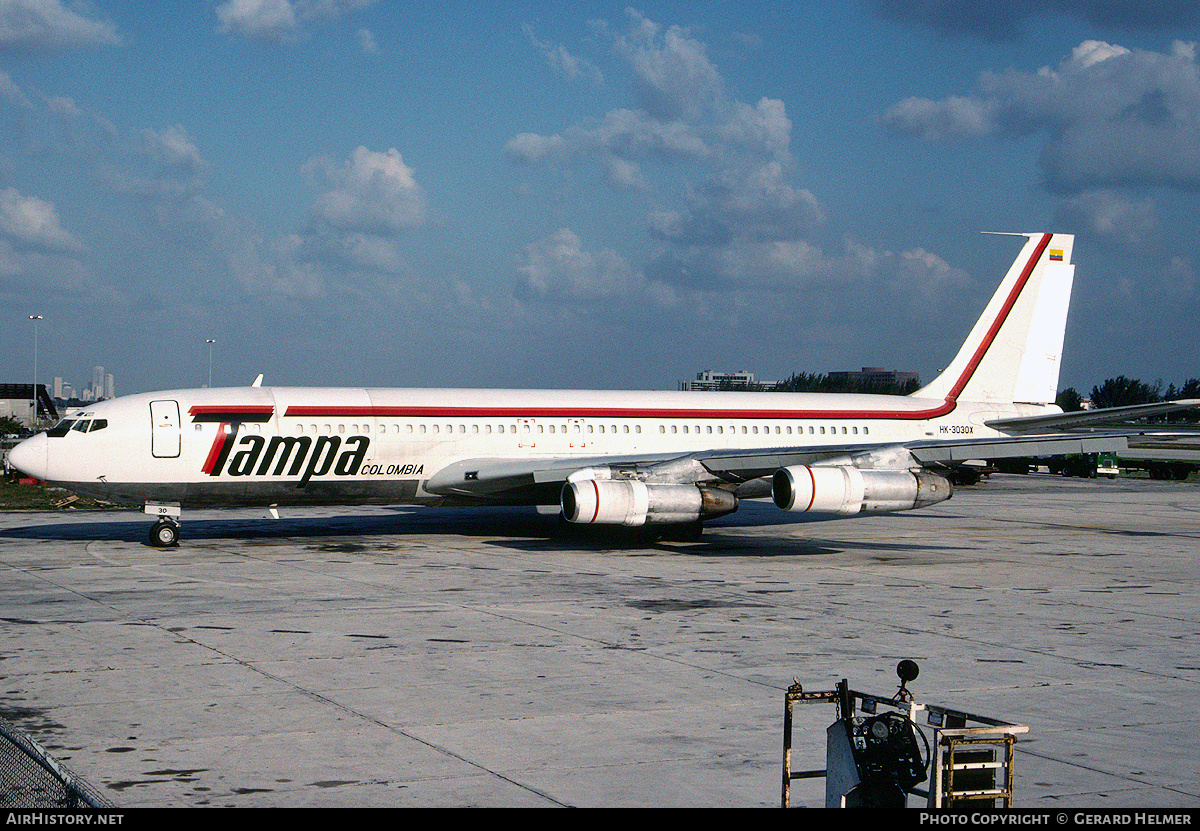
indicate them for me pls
(843, 489)
(633, 502)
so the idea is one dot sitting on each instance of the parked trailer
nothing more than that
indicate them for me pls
(1162, 464)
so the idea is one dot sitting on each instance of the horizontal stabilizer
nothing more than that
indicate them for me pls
(1082, 418)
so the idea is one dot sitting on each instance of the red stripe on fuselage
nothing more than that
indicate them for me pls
(214, 452)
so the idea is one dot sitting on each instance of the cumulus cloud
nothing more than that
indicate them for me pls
(672, 72)
(1111, 215)
(1111, 116)
(366, 42)
(30, 222)
(531, 148)
(273, 20)
(562, 61)
(12, 93)
(45, 25)
(752, 204)
(281, 21)
(372, 192)
(953, 117)
(720, 170)
(173, 148)
(558, 268)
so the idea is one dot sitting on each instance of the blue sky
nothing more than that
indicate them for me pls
(591, 195)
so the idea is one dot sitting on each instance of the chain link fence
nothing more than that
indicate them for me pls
(31, 778)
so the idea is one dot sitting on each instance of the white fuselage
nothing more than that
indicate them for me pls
(261, 446)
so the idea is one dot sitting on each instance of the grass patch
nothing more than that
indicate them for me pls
(17, 497)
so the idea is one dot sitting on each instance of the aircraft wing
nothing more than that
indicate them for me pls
(1084, 418)
(540, 480)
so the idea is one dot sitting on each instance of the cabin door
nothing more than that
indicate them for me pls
(164, 425)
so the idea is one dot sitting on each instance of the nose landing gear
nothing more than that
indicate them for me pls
(164, 533)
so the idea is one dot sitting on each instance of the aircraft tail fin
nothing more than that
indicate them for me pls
(1014, 351)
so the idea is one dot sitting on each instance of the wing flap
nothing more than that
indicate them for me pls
(934, 452)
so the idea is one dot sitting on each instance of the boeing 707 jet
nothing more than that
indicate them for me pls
(620, 458)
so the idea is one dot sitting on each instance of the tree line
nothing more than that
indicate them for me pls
(1122, 392)
(1113, 392)
(820, 382)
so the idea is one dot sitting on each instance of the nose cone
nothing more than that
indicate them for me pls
(29, 456)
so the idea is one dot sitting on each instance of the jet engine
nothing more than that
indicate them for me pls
(844, 489)
(633, 502)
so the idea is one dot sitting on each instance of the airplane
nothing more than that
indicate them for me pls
(668, 459)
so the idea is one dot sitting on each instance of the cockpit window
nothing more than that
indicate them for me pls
(79, 425)
(61, 428)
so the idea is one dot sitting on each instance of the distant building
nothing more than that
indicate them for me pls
(16, 402)
(708, 381)
(877, 375)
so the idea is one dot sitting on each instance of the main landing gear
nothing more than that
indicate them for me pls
(164, 534)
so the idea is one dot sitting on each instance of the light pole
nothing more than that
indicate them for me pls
(33, 415)
(210, 343)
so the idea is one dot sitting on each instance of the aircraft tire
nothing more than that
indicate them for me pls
(164, 534)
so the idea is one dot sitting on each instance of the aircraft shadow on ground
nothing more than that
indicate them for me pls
(514, 528)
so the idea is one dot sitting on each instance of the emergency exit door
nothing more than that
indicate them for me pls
(164, 434)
